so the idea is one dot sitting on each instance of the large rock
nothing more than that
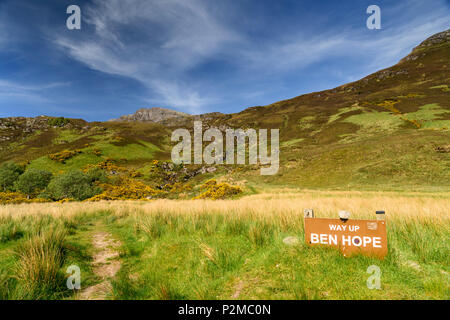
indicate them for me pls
(153, 115)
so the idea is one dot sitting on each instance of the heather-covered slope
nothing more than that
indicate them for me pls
(389, 130)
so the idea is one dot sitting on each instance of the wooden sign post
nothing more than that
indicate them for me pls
(352, 237)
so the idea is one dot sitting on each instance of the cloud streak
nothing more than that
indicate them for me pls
(198, 55)
(183, 34)
(300, 50)
(35, 92)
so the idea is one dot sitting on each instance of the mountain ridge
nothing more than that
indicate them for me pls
(388, 130)
(417, 52)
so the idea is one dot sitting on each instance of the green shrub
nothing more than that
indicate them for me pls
(9, 173)
(58, 122)
(33, 181)
(96, 174)
(71, 185)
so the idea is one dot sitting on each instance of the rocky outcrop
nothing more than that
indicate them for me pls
(157, 115)
(14, 128)
(23, 123)
(170, 118)
(435, 39)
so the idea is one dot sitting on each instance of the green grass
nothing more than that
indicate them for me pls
(142, 151)
(372, 121)
(428, 116)
(131, 151)
(224, 258)
(291, 142)
(217, 256)
(306, 122)
(402, 161)
(77, 162)
(443, 87)
(68, 136)
(36, 251)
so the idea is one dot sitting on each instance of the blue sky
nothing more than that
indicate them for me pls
(195, 56)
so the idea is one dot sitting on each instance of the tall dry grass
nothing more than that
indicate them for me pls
(282, 206)
(418, 227)
(39, 259)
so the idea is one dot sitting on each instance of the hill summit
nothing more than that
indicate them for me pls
(153, 115)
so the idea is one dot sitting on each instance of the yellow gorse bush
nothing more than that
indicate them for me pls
(63, 155)
(178, 187)
(128, 190)
(97, 152)
(135, 174)
(217, 191)
(107, 165)
(16, 197)
(389, 104)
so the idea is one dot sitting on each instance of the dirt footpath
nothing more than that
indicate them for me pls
(105, 265)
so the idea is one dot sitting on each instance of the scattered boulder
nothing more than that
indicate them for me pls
(443, 149)
(291, 241)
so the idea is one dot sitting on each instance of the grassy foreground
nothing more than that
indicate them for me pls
(225, 249)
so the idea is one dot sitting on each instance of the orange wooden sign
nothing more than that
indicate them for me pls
(367, 237)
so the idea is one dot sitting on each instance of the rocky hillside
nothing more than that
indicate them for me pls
(436, 39)
(153, 115)
(389, 130)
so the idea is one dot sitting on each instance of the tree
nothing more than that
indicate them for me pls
(33, 181)
(58, 122)
(9, 173)
(71, 185)
(96, 174)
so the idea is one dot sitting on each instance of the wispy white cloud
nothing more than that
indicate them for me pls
(14, 86)
(34, 92)
(98, 57)
(158, 43)
(408, 26)
(298, 51)
(176, 94)
(180, 35)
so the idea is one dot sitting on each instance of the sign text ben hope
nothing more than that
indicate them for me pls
(352, 236)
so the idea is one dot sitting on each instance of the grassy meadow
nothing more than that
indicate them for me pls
(225, 249)
(106, 197)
